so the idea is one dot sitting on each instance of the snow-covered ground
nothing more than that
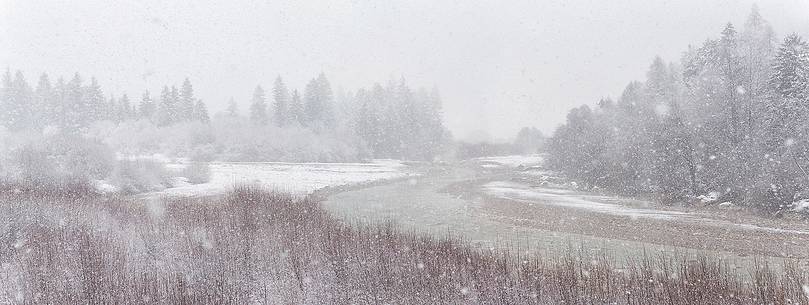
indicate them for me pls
(602, 204)
(152, 157)
(294, 178)
(510, 161)
(567, 198)
(801, 206)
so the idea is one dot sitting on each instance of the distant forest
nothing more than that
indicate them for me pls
(282, 124)
(731, 117)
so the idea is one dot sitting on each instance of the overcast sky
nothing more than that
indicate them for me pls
(500, 65)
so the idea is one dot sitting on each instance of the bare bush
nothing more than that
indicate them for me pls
(254, 246)
(140, 175)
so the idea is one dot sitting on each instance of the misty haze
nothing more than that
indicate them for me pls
(404, 152)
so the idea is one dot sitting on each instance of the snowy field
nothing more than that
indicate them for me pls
(294, 178)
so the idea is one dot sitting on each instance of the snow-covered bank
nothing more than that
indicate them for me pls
(567, 198)
(510, 161)
(294, 178)
(604, 204)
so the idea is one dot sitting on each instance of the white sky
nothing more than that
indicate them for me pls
(500, 65)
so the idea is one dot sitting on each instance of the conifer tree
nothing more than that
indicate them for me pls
(185, 104)
(788, 107)
(281, 102)
(44, 108)
(115, 109)
(125, 109)
(258, 107)
(75, 115)
(147, 107)
(201, 112)
(6, 99)
(232, 109)
(94, 106)
(317, 98)
(19, 103)
(296, 109)
(166, 109)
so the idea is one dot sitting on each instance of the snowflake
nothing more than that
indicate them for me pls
(806, 290)
(661, 110)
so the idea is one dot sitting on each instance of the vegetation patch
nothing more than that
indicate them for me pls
(254, 246)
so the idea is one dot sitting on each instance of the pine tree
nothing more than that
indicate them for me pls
(756, 48)
(6, 99)
(258, 108)
(76, 110)
(201, 112)
(729, 66)
(233, 109)
(296, 109)
(185, 105)
(788, 107)
(60, 102)
(790, 77)
(312, 107)
(175, 100)
(366, 120)
(125, 109)
(786, 131)
(317, 98)
(327, 100)
(16, 102)
(166, 109)
(677, 169)
(388, 143)
(115, 109)
(281, 102)
(147, 107)
(24, 102)
(44, 107)
(94, 104)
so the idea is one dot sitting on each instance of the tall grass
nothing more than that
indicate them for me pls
(253, 246)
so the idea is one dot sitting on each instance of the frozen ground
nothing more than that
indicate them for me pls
(295, 178)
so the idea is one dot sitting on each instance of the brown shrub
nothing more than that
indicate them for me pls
(254, 246)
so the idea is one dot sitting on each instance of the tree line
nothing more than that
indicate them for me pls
(288, 108)
(396, 121)
(730, 117)
(73, 105)
(392, 121)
